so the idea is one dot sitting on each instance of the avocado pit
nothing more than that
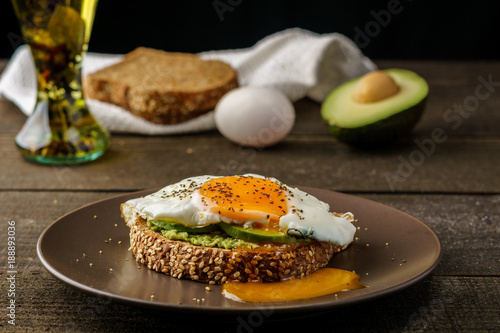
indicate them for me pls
(374, 86)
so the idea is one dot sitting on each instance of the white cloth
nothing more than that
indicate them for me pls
(297, 62)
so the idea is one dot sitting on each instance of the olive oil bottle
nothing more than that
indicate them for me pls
(61, 129)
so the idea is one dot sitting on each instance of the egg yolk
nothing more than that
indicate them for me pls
(324, 282)
(246, 198)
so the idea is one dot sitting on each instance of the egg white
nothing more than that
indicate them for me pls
(306, 214)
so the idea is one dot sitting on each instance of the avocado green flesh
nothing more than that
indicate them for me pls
(369, 124)
(170, 224)
(212, 235)
(214, 239)
(220, 235)
(258, 235)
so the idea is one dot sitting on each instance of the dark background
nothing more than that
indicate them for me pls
(420, 29)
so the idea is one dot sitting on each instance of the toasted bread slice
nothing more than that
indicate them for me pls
(162, 87)
(216, 265)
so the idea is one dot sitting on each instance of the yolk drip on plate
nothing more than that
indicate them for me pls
(246, 199)
(326, 281)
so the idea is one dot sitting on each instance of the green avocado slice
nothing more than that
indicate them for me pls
(171, 224)
(173, 229)
(259, 235)
(369, 124)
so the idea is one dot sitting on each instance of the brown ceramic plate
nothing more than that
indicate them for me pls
(88, 249)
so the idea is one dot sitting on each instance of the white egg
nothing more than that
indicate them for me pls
(255, 116)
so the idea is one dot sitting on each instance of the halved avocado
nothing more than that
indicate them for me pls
(376, 108)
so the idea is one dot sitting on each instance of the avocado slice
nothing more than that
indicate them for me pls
(171, 224)
(166, 225)
(259, 235)
(366, 122)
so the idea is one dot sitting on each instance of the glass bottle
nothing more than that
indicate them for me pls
(61, 129)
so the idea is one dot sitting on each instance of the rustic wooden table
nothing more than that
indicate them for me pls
(454, 189)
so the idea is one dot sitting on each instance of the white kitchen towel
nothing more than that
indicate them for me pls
(297, 62)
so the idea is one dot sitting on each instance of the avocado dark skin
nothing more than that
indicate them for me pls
(382, 132)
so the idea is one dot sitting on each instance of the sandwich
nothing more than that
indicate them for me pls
(162, 87)
(245, 228)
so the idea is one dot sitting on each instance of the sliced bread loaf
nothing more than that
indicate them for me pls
(162, 87)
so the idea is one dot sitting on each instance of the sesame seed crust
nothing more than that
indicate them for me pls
(212, 265)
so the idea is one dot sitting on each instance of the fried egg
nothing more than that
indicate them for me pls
(251, 201)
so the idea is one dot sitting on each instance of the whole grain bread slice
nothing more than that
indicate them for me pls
(213, 265)
(162, 87)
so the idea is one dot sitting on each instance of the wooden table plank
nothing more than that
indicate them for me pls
(468, 231)
(445, 72)
(468, 273)
(467, 225)
(455, 189)
(436, 304)
(140, 162)
(451, 83)
(340, 167)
